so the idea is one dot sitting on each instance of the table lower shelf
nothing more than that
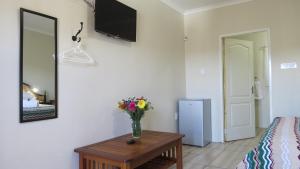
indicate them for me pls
(158, 163)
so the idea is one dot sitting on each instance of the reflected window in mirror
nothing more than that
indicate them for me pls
(38, 67)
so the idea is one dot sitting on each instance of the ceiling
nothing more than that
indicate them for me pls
(193, 6)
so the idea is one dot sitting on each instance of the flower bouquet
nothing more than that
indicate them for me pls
(135, 107)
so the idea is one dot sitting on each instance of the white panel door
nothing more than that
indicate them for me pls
(238, 87)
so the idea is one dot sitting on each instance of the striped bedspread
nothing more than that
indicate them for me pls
(279, 147)
(43, 111)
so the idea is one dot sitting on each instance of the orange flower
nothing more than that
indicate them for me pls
(122, 105)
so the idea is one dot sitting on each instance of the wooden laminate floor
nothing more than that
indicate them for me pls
(218, 155)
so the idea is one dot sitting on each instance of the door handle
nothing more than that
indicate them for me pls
(252, 90)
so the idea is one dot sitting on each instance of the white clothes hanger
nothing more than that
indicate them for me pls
(77, 55)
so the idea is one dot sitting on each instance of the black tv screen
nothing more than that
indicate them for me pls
(115, 19)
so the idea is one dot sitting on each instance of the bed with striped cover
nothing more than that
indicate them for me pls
(279, 147)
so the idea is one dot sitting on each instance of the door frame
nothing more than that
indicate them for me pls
(221, 66)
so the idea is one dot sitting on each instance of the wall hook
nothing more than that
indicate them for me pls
(75, 38)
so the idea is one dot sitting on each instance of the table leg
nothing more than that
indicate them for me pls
(125, 166)
(81, 161)
(179, 164)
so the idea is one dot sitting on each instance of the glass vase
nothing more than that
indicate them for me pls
(136, 129)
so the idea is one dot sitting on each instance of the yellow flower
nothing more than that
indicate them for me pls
(141, 104)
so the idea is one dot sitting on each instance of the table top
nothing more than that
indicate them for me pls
(117, 148)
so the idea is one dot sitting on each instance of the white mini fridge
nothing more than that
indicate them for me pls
(195, 121)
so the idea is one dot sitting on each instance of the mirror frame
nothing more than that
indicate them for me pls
(22, 10)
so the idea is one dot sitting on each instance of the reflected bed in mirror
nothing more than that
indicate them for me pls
(38, 66)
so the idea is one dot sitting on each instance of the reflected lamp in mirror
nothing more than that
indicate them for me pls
(38, 66)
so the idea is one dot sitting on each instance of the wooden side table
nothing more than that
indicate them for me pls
(155, 150)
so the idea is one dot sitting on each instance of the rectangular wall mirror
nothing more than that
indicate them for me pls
(38, 66)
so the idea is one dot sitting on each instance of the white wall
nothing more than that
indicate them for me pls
(153, 67)
(202, 52)
(38, 62)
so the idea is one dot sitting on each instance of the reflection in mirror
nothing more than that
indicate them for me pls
(38, 68)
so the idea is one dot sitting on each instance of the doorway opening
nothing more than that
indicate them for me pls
(246, 83)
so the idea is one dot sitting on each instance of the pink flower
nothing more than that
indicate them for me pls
(131, 106)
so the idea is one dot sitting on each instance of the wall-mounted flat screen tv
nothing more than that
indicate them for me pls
(115, 19)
